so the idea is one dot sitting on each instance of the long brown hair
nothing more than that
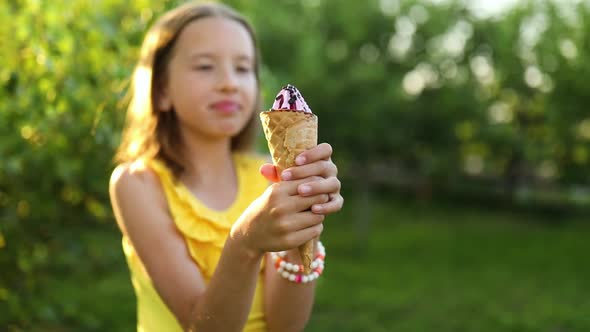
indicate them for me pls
(150, 133)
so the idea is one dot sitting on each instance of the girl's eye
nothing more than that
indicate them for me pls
(203, 67)
(243, 69)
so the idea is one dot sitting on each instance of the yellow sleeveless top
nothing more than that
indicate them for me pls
(205, 231)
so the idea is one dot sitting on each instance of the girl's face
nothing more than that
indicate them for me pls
(211, 83)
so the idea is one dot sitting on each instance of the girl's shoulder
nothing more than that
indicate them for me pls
(134, 176)
(136, 194)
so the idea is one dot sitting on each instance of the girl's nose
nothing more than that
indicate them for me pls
(228, 80)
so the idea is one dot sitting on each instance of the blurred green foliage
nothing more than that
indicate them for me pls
(63, 75)
(432, 92)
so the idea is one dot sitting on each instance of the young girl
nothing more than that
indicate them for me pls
(199, 221)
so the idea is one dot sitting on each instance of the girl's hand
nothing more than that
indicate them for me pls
(313, 162)
(280, 219)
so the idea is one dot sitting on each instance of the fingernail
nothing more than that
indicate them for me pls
(300, 160)
(316, 208)
(286, 175)
(304, 189)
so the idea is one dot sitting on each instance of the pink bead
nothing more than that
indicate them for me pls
(284, 267)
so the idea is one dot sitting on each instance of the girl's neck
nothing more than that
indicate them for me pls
(211, 174)
(211, 157)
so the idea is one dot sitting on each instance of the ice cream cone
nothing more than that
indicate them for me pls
(288, 134)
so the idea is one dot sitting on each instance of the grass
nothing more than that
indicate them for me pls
(413, 267)
(423, 267)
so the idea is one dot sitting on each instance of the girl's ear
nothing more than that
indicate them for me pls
(164, 103)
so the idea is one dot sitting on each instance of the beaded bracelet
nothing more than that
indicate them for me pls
(284, 267)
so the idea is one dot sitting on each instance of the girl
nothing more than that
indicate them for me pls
(198, 223)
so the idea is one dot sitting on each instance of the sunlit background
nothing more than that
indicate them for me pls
(460, 129)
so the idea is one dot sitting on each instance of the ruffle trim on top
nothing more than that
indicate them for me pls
(209, 225)
(204, 229)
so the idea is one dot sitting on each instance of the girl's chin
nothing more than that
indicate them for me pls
(231, 129)
(223, 130)
(225, 134)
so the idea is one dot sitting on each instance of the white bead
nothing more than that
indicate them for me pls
(285, 267)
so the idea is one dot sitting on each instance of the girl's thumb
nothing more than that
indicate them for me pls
(269, 171)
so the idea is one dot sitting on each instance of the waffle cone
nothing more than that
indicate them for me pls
(289, 133)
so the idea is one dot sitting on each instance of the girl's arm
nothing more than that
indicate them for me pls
(288, 305)
(142, 214)
(278, 219)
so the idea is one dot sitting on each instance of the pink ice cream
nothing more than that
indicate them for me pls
(289, 98)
